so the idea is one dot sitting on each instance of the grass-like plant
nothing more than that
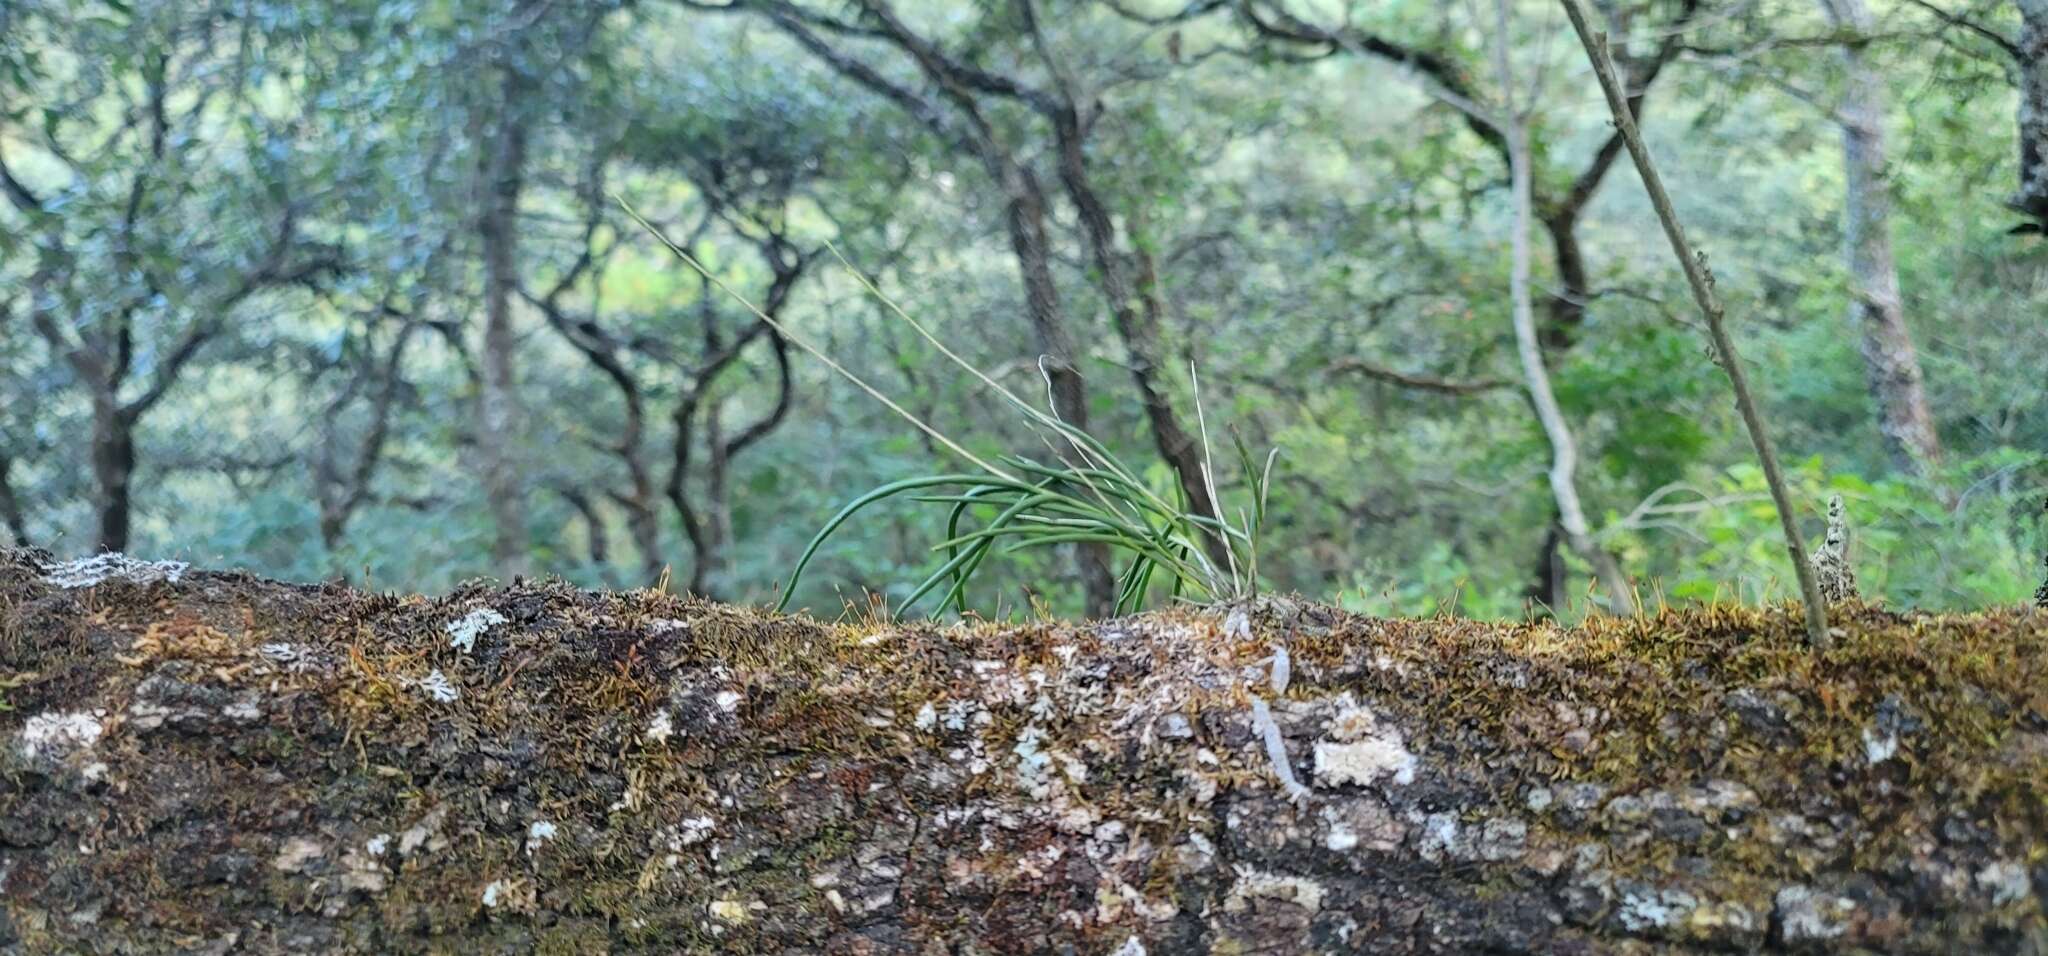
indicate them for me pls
(1080, 494)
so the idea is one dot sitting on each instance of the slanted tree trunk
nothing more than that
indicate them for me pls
(1137, 314)
(598, 537)
(708, 523)
(225, 764)
(342, 477)
(1891, 364)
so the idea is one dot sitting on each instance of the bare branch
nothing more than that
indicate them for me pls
(1702, 283)
(1997, 39)
(1420, 383)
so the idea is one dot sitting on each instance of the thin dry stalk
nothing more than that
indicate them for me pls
(1702, 282)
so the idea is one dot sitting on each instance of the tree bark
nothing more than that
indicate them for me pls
(225, 764)
(599, 539)
(2032, 197)
(498, 412)
(1891, 364)
(113, 470)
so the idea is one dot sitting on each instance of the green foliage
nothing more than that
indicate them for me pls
(1294, 223)
(1905, 543)
(1091, 498)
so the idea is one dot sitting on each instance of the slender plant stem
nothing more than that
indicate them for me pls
(1702, 282)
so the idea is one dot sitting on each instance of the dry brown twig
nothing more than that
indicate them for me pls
(1702, 282)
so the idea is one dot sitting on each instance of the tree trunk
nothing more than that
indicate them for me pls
(10, 504)
(2032, 197)
(1137, 320)
(498, 410)
(709, 577)
(1024, 213)
(1891, 365)
(113, 468)
(225, 764)
(643, 525)
(600, 542)
(1563, 449)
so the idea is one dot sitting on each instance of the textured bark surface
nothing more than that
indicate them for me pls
(206, 762)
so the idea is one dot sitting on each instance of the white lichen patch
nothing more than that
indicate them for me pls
(1361, 822)
(729, 701)
(1032, 761)
(295, 658)
(361, 871)
(667, 625)
(59, 735)
(438, 688)
(697, 830)
(1807, 915)
(538, 834)
(89, 572)
(1364, 763)
(1361, 750)
(1879, 746)
(1341, 838)
(1440, 836)
(378, 844)
(1131, 947)
(2005, 880)
(660, 728)
(1258, 884)
(1656, 909)
(463, 632)
(495, 892)
(927, 717)
(425, 834)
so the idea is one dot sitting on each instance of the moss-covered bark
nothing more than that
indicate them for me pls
(220, 764)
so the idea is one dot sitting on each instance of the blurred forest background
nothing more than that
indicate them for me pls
(339, 289)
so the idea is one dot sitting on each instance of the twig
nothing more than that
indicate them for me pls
(1702, 283)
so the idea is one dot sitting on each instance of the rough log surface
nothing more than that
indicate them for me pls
(208, 762)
